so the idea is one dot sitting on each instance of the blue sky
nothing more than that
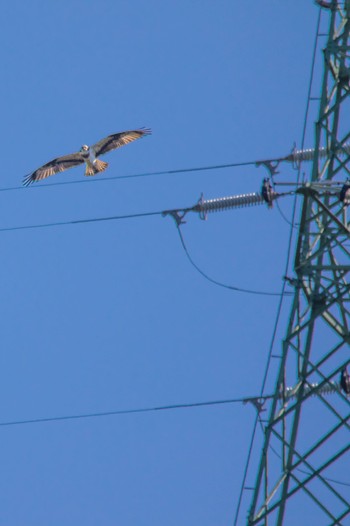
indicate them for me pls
(106, 316)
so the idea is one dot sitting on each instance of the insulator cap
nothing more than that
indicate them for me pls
(331, 387)
(225, 203)
(297, 156)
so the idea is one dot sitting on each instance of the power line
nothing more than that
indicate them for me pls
(79, 221)
(218, 283)
(257, 418)
(175, 213)
(132, 176)
(279, 208)
(279, 309)
(121, 412)
(132, 216)
(296, 156)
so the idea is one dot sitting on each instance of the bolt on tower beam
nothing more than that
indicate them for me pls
(306, 445)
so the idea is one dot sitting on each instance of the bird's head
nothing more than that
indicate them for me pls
(84, 148)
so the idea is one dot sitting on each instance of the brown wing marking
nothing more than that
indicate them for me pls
(53, 167)
(112, 142)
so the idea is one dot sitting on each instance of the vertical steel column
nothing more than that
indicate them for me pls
(306, 439)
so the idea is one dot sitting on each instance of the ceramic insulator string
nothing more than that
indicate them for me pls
(330, 388)
(298, 156)
(225, 203)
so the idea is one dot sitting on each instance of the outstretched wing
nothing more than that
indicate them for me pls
(53, 167)
(118, 139)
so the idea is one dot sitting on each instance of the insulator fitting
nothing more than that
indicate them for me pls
(303, 155)
(329, 388)
(225, 203)
(297, 156)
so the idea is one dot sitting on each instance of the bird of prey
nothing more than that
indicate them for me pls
(88, 155)
(345, 381)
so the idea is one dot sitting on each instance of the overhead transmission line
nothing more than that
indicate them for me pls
(203, 207)
(295, 157)
(133, 176)
(119, 412)
(298, 157)
(278, 481)
(224, 285)
(256, 401)
(79, 221)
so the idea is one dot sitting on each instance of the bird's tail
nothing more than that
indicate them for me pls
(95, 167)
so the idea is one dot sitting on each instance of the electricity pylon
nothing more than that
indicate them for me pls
(307, 436)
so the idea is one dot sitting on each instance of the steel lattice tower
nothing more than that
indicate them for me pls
(307, 435)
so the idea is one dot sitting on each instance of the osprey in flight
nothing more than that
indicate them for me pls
(88, 155)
